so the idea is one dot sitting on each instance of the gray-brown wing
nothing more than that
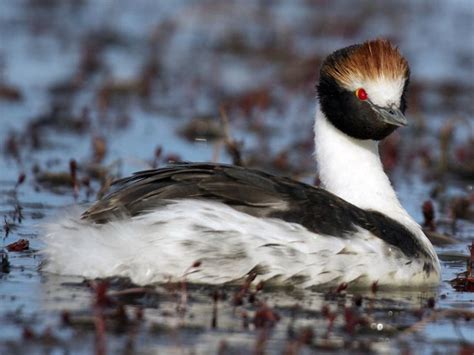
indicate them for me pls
(248, 190)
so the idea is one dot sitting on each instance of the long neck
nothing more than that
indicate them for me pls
(351, 169)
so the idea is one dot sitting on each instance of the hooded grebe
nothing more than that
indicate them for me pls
(235, 220)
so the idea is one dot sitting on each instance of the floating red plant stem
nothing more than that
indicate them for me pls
(351, 320)
(28, 333)
(19, 245)
(66, 318)
(342, 287)
(20, 180)
(374, 288)
(172, 158)
(265, 317)
(183, 301)
(464, 281)
(100, 293)
(330, 317)
(100, 334)
(215, 296)
(101, 300)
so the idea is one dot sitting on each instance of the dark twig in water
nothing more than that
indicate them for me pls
(20, 180)
(74, 183)
(429, 215)
(183, 300)
(238, 297)
(12, 147)
(245, 319)
(18, 212)
(4, 263)
(374, 288)
(6, 227)
(216, 295)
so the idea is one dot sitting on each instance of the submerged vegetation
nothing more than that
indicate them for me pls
(91, 91)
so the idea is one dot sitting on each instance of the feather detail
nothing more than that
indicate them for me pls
(369, 61)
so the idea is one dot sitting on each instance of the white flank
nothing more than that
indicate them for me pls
(162, 245)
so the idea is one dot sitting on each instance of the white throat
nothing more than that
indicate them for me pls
(351, 169)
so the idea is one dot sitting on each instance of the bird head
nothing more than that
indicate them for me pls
(362, 89)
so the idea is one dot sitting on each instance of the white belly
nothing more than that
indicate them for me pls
(163, 244)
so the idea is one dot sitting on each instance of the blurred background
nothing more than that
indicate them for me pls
(133, 73)
(92, 90)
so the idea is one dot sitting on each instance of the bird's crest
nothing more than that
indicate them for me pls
(369, 61)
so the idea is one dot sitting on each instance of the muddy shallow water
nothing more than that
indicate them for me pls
(121, 86)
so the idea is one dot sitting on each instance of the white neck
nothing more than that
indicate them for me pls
(351, 169)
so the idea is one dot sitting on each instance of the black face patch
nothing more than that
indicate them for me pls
(351, 115)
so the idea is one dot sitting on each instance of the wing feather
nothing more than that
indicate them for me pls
(253, 192)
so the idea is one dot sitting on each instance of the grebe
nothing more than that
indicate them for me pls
(235, 220)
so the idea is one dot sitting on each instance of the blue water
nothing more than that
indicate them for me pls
(200, 68)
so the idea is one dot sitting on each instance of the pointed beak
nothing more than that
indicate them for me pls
(391, 115)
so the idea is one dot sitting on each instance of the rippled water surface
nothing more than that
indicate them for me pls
(127, 85)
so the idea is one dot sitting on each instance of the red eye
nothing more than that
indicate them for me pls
(361, 94)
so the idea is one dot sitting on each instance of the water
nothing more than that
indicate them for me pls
(135, 75)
